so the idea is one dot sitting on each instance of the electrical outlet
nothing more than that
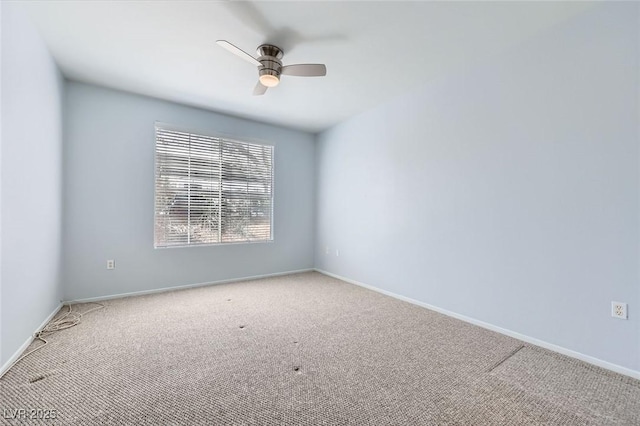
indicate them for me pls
(619, 310)
(111, 264)
(337, 252)
(326, 250)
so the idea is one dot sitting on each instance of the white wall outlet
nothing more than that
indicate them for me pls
(111, 264)
(326, 250)
(619, 310)
(337, 252)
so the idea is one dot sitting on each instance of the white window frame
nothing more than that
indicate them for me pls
(222, 138)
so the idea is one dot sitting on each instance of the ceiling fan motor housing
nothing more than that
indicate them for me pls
(269, 57)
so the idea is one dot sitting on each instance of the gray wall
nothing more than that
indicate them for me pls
(507, 193)
(1, 354)
(109, 190)
(31, 180)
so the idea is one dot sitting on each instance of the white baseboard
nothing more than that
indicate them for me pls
(568, 352)
(182, 287)
(7, 365)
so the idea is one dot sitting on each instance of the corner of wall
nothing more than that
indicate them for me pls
(33, 238)
(1, 65)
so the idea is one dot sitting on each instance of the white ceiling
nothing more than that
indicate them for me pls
(373, 50)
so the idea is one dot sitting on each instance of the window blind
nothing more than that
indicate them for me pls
(210, 190)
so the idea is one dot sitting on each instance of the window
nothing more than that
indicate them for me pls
(211, 190)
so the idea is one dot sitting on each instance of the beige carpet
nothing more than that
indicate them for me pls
(302, 349)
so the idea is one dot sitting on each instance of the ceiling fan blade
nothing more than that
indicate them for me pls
(239, 52)
(305, 70)
(259, 89)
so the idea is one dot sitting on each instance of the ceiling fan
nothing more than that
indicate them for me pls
(270, 67)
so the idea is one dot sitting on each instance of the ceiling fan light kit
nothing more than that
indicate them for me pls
(269, 80)
(270, 67)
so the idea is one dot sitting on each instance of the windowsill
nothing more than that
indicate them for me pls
(214, 244)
